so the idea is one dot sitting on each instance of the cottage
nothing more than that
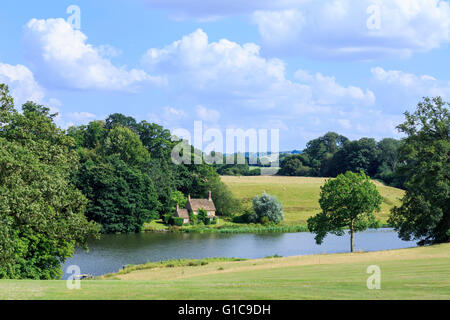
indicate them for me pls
(182, 213)
(194, 205)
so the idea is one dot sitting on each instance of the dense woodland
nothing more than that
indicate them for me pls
(127, 174)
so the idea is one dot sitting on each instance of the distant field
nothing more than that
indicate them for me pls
(299, 196)
(416, 273)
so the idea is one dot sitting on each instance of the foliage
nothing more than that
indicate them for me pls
(176, 221)
(41, 213)
(225, 202)
(144, 149)
(127, 145)
(177, 199)
(203, 216)
(355, 156)
(193, 219)
(167, 217)
(333, 154)
(268, 207)
(425, 155)
(121, 198)
(348, 201)
(296, 165)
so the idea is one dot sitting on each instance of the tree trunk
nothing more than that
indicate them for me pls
(351, 236)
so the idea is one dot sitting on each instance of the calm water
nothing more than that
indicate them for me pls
(114, 251)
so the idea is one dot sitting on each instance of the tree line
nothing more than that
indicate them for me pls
(334, 154)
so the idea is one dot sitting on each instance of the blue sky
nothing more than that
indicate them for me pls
(301, 66)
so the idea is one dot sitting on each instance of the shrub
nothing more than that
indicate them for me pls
(177, 221)
(265, 220)
(203, 216)
(269, 207)
(166, 218)
(193, 219)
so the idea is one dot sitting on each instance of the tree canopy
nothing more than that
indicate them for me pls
(41, 212)
(425, 155)
(127, 174)
(334, 154)
(349, 201)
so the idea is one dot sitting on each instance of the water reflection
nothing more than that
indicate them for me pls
(114, 251)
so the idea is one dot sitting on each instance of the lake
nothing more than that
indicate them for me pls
(112, 252)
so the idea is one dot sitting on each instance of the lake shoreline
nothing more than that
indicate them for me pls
(313, 259)
(243, 229)
(111, 252)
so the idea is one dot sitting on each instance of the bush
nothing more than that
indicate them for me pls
(265, 220)
(177, 221)
(214, 220)
(203, 216)
(166, 218)
(268, 207)
(193, 219)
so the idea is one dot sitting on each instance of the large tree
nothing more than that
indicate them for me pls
(41, 213)
(121, 197)
(425, 155)
(349, 201)
(355, 156)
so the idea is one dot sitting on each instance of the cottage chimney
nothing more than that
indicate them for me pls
(189, 197)
(210, 196)
(178, 207)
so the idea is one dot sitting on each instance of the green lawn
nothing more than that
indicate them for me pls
(417, 273)
(298, 195)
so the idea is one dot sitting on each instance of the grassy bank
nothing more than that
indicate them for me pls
(417, 273)
(300, 196)
(225, 227)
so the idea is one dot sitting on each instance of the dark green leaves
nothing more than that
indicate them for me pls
(425, 161)
(349, 201)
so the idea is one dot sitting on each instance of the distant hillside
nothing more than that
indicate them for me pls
(298, 195)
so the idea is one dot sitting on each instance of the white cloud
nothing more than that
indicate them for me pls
(173, 113)
(23, 87)
(242, 82)
(207, 67)
(229, 74)
(338, 28)
(331, 28)
(61, 57)
(327, 91)
(402, 90)
(208, 115)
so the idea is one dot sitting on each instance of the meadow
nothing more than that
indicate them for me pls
(415, 273)
(300, 195)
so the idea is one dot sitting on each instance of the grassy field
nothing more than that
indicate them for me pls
(299, 196)
(417, 273)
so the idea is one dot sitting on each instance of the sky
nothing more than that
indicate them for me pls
(304, 67)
